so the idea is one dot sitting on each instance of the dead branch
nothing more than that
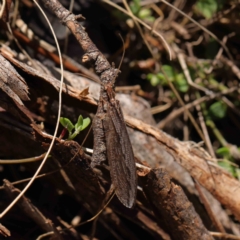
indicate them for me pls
(172, 208)
(92, 54)
(194, 160)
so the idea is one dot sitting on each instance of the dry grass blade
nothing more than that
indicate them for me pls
(200, 26)
(142, 23)
(2, 8)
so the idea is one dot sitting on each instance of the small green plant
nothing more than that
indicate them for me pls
(78, 127)
(217, 110)
(178, 79)
(228, 161)
(208, 7)
(139, 11)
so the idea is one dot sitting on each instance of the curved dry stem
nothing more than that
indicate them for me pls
(190, 105)
(194, 123)
(120, 64)
(23, 160)
(143, 23)
(138, 26)
(2, 8)
(199, 25)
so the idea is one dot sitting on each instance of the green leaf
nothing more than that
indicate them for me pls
(159, 78)
(169, 71)
(150, 19)
(237, 170)
(224, 151)
(78, 125)
(181, 83)
(154, 80)
(81, 124)
(66, 123)
(144, 13)
(162, 79)
(135, 6)
(218, 110)
(208, 7)
(227, 166)
(86, 122)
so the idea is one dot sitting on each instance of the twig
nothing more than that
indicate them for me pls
(232, 66)
(2, 8)
(193, 121)
(128, 88)
(207, 206)
(5, 10)
(205, 131)
(200, 26)
(23, 160)
(138, 26)
(161, 108)
(225, 236)
(143, 23)
(186, 71)
(179, 111)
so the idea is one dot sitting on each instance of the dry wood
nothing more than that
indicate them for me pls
(172, 208)
(193, 158)
(185, 153)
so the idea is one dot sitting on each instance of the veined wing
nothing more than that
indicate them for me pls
(120, 155)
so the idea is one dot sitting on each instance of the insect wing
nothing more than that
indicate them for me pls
(120, 155)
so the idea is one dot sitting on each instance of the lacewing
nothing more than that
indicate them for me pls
(111, 141)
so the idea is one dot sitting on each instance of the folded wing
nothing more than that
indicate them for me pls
(120, 155)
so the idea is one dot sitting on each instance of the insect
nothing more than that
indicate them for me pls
(111, 141)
